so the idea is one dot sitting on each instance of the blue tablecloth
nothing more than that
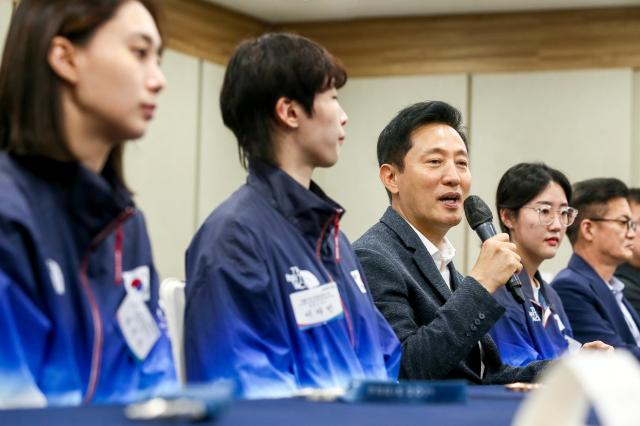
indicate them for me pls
(486, 405)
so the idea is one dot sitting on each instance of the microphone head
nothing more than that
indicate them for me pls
(476, 211)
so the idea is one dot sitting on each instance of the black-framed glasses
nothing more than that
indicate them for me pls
(546, 215)
(629, 223)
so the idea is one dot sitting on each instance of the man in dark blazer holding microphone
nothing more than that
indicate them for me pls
(441, 318)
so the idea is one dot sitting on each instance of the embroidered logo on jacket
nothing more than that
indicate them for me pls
(301, 279)
(355, 274)
(534, 315)
(55, 274)
(138, 280)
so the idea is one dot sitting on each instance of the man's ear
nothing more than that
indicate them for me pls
(586, 230)
(507, 218)
(389, 177)
(287, 112)
(62, 59)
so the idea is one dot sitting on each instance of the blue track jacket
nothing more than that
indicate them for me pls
(269, 244)
(71, 247)
(530, 332)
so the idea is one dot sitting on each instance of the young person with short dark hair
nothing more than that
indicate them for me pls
(602, 238)
(78, 79)
(532, 201)
(276, 299)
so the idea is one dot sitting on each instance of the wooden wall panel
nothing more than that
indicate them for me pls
(593, 38)
(207, 31)
(498, 42)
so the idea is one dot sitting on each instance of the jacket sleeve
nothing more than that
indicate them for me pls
(23, 323)
(511, 335)
(587, 321)
(234, 320)
(433, 350)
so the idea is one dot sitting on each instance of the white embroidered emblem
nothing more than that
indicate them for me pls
(301, 279)
(355, 274)
(533, 314)
(55, 274)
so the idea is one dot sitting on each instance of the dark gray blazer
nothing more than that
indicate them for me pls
(439, 330)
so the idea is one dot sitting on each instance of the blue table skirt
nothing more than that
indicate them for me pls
(487, 405)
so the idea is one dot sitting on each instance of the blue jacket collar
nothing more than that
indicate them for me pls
(310, 210)
(92, 201)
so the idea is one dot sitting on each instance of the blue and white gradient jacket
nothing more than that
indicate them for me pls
(270, 239)
(529, 332)
(71, 246)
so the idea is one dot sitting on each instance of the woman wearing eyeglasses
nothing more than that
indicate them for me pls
(533, 205)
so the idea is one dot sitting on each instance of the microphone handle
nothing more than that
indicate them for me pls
(514, 285)
(485, 231)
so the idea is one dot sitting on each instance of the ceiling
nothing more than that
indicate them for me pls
(280, 11)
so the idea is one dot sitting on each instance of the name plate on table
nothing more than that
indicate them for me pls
(412, 392)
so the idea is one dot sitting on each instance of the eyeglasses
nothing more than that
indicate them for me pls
(629, 223)
(566, 215)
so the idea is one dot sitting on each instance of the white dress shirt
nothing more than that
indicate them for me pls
(616, 286)
(442, 256)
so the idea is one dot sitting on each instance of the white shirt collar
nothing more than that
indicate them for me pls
(615, 285)
(442, 255)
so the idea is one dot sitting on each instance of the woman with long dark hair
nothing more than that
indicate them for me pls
(78, 287)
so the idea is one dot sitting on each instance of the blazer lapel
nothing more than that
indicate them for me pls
(604, 295)
(421, 255)
(428, 267)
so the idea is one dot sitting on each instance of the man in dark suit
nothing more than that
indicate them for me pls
(602, 238)
(629, 272)
(441, 318)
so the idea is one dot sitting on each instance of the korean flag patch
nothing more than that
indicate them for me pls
(138, 281)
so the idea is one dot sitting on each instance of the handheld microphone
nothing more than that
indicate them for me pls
(481, 220)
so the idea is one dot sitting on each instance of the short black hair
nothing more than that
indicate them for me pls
(590, 197)
(523, 182)
(634, 195)
(395, 139)
(264, 69)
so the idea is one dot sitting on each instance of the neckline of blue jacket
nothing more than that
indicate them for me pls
(93, 201)
(309, 210)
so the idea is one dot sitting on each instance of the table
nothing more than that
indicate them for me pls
(486, 405)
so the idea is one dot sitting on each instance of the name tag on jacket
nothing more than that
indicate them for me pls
(316, 306)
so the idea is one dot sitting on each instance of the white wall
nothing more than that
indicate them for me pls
(188, 161)
(578, 121)
(220, 172)
(161, 168)
(5, 16)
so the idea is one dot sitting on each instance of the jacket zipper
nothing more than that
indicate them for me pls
(96, 354)
(336, 243)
